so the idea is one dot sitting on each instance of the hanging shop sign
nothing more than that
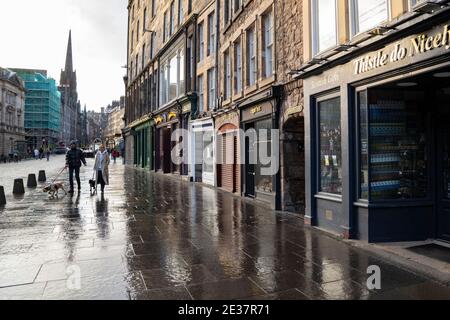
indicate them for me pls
(159, 120)
(172, 115)
(416, 46)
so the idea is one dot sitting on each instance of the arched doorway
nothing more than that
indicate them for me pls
(293, 165)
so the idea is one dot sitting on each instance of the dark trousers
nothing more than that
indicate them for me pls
(77, 176)
(100, 180)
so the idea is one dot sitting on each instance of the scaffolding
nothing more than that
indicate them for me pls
(42, 108)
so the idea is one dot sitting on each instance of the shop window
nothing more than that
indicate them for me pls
(324, 15)
(330, 146)
(397, 151)
(180, 12)
(367, 14)
(263, 183)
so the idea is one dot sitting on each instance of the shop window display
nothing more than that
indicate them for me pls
(330, 146)
(398, 139)
(263, 128)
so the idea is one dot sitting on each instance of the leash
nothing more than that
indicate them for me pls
(57, 176)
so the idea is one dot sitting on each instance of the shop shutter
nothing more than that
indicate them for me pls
(228, 174)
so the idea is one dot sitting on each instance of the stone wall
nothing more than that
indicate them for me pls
(289, 30)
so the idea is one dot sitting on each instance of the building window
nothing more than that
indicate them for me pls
(211, 89)
(201, 95)
(152, 45)
(137, 65)
(153, 8)
(11, 98)
(132, 41)
(165, 28)
(330, 146)
(227, 75)
(227, 11)
(143, 57)
(137, 31)
(201, 42)
(324, 15)
(180, 12)
(211, 34)
(172, 77)
(251, 57)
(237, 67)
(172, 18)
(267, 50)
(190, 59)
(367, 14)
(237, 5)
(145, 21)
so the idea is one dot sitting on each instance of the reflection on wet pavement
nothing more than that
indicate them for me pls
(155, 237)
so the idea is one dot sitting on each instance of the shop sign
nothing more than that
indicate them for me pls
(258, 111)
(411, 47)
(159, 120)
(172, 115)
(231, 117)
(293, 110)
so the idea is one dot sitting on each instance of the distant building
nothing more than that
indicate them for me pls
(12, 105)
(94, 129)
(42, 108)
(71, 118)
(115, 124)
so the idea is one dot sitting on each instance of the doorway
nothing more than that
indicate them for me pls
(250, 163)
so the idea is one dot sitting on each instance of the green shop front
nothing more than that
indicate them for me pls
(378, 136)
(143, 144)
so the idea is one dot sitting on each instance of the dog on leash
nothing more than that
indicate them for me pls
(53, 190)
(92, 187)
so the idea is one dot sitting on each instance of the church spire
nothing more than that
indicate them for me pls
(69, 61)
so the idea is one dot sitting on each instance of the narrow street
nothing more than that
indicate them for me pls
(155, 237)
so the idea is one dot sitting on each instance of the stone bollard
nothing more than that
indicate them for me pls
(31, 182)
(18, 187)
(2, 196)
(42, 177)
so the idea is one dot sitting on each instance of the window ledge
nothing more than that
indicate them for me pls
(237, 96)
(251, 89)
(265, 81)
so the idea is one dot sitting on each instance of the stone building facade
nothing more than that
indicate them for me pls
(289, 26)
(12, 108)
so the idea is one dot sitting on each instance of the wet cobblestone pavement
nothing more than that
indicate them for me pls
(155, 237)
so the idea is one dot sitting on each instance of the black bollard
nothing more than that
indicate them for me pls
(18, 187)
(31, 182)
(2, 196)
(42, 177)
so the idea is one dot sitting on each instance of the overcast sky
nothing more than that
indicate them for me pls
(34, 34)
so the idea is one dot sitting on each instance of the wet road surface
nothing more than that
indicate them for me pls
(155, 237)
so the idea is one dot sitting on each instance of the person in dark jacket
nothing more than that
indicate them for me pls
(74, 158)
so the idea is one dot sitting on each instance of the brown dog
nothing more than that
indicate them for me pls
(53, 190)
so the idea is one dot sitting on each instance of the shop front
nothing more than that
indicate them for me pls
(260, 174)
(202, 151)
(228, 151)
(143, 142)
(166, 125)
(378, 138)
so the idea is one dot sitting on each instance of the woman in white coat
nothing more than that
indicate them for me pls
(101, 167)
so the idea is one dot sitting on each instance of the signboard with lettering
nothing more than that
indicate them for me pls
(410, 47)
(257, 111)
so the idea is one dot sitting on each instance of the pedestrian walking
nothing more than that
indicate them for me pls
(114, 155)
(74, 159)
(36, 153)
(101, 167)
(41, 153)
(47, 154)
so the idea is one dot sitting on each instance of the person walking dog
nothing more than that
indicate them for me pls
(101, 167)
(74, 158)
